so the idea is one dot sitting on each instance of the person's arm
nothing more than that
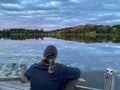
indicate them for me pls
(27, 74)
(70, 72)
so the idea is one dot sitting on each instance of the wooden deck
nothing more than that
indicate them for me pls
(17, 85)
(14, 85)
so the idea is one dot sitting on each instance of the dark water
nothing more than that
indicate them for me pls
(91, 58)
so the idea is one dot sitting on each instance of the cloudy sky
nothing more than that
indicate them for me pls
(53, 14)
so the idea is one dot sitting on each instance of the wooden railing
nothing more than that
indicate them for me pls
(71, 84)
(23, 68)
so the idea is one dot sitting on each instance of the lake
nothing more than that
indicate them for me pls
(92, 58)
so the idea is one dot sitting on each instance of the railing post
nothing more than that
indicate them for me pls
(109, 79)
(23, 69)
(70, 84)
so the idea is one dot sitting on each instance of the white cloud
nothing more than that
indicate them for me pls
(72, 20)
(55, 18)
(75, 1)
(111, 6)
(50, 4)
(117, 20)
(50, 25)
(25, 2)
(35, 12)
(12, 5)
(104, 14)
(1, 14)
(53, 3)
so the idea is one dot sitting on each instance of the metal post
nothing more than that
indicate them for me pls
(23, 69)
(109, 79)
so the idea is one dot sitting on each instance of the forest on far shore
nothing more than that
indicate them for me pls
(86, 33)
(76, 30)
(88, 30)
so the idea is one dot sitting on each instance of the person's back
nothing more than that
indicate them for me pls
(44, 76)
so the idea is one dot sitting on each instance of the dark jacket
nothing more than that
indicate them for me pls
(40, 79)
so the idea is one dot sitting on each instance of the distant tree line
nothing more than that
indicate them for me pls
(84, 30)
(88, 30)
(19, 31)
(22, 34)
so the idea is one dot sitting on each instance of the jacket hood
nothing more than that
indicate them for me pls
(41, 66)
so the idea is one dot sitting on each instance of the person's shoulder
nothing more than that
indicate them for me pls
(60, 66)
(33, 65)
(64, 67)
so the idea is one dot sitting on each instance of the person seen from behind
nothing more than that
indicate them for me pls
(48, 75)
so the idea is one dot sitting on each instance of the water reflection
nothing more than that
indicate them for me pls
(90, 39)
(22, 37)
(76, 38)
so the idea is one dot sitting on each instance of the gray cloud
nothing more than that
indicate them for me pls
(9, 1)
(52, 14)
